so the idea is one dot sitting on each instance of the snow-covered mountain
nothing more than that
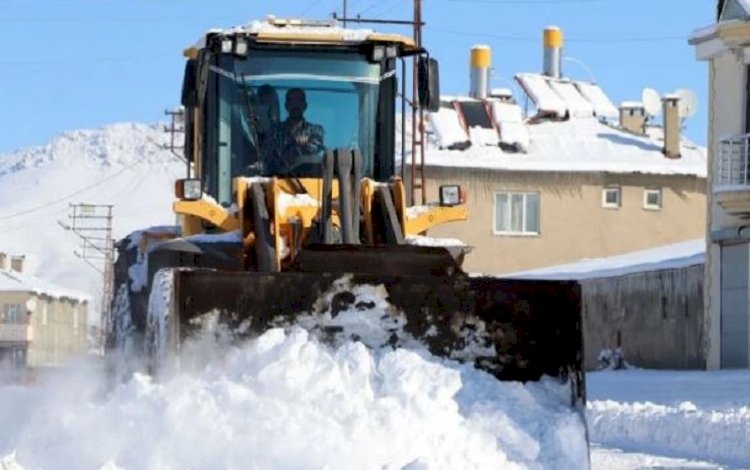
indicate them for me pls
(125, 165)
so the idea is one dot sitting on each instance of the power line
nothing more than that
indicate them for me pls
(581, 40)
(526, 2)
(77, 192)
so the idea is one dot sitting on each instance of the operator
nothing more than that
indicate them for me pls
(295, 140)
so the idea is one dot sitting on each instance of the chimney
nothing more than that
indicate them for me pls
(553, 44)
(16, 263)
(672, 138)
(3, 260)
(633, 117)
(481, 61)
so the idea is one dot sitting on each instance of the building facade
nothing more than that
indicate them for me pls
(41, 325)
(725, 47)
(558, 173)
(521, 220)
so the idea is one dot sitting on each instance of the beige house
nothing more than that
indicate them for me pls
(725, 46)
(41, 325)
(570, 177)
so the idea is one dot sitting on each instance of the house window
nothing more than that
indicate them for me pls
(45, 317)
(652, 199)
(611, 198)
(516, 213)
(12, 314)
(75, 317)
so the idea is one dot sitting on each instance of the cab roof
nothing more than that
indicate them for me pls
(300, 31)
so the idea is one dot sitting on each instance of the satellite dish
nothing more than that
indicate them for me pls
(688, 102)
(651, 101)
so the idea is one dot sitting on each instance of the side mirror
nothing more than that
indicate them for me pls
(189, 88)
(429, 84)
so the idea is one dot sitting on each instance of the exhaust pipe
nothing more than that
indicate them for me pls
(553, 44)
(481, 61)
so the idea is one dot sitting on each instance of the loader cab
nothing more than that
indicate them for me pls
(240, 99)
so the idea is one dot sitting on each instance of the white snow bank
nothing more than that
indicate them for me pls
(287, 401)
(695, 414)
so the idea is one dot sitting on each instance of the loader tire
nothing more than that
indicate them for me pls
(160, 341)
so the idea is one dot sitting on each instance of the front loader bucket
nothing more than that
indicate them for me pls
(515, 329)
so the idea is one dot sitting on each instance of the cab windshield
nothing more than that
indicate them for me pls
(278, 111)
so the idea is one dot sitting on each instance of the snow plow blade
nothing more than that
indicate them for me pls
(517, 330)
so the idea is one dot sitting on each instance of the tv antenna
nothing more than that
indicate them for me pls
(651, 101)
(688, 104)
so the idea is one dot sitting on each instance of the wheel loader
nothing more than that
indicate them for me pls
(270, 224)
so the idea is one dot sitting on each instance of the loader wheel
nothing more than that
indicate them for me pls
(160, 338)
(122, 339)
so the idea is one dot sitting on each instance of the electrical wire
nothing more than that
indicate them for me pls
(582, 40)
(526, 2)
(77, 192)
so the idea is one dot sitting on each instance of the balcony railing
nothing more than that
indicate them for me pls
(15, 333)
(733, 162)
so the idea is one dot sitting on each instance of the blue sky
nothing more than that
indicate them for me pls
(71, 64)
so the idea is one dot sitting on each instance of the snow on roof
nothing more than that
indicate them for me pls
(579, 145)
(325, 30)
(446, 127)
(603, 107)
(540, 92)
(510, 123)
(631, 104)
(577, 105)
(12, 281)
(678, 255)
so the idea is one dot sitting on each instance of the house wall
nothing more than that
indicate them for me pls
(13, 344)
(573, 223)
(727, 75)
(58, 334)
(656, 318)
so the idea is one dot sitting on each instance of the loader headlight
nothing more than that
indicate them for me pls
(226, 45)
(188, 189)
(240, 47)
(377, 54)
(451, 195)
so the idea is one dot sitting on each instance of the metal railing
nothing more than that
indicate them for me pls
(15, 333)
(733, 161)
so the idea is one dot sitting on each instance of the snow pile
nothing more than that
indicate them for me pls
(285, 400)
(700, 415)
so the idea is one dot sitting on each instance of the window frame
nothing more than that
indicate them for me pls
(13, 314)
(652, 207)
(510, 193)
(609, 205)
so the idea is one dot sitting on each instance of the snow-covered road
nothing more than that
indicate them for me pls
(289, 402)
(668, 419)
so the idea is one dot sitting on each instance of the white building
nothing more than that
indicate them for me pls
(725, 46)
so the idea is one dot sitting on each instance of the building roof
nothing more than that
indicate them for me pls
(733, 9)
(12, 281)
(674, 256)
(572, 127)
(578, 145)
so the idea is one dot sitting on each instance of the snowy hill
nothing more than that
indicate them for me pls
(122, 164)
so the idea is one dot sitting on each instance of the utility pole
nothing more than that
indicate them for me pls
(92, 223)
(176, 126)
(417, 117)
(416, 177)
